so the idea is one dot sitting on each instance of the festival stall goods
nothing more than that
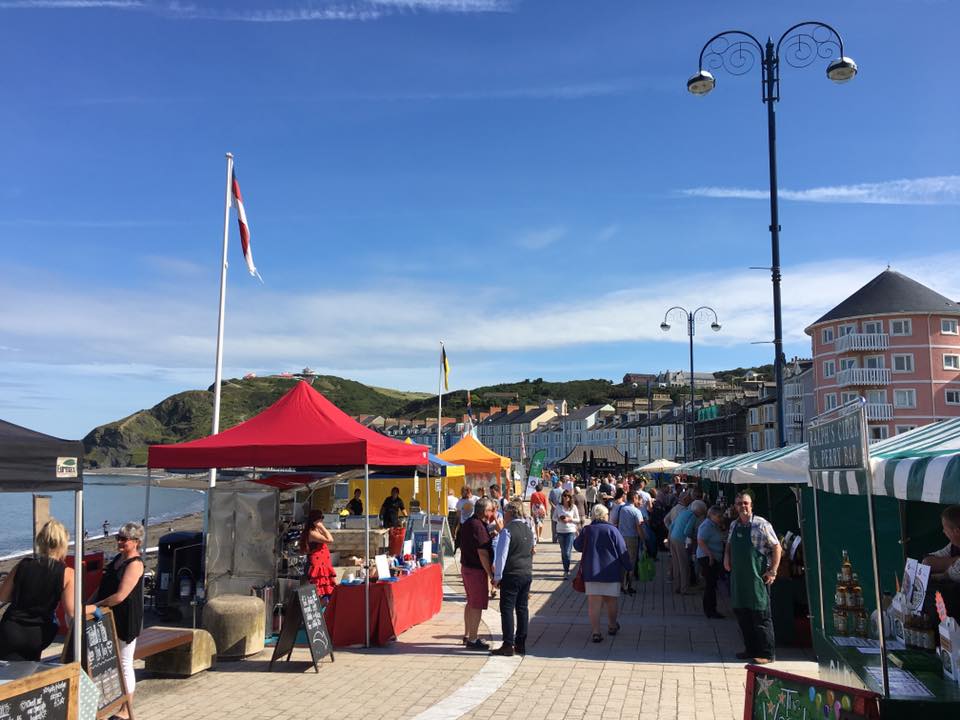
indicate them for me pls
(862, 497)
(300, 430)
(34, 462)
(395, 606)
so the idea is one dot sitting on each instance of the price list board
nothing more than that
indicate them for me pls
(101, 660)
(303, 610)
(42, 695)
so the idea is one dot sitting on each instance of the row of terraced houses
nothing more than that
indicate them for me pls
(894, 342)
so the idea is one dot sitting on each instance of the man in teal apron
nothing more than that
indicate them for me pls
(752, 557)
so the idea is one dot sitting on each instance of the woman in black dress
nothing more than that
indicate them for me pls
(33, 589)
(121, 590)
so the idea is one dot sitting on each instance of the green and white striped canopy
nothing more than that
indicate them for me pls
(923, 464)
(778, 465)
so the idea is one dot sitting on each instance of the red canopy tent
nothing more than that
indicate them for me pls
(301, 429)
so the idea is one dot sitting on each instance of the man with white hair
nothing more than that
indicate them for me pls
(513, 574)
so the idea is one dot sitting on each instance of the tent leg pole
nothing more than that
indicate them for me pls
(868, 472)
(146, 512)
(816, 523)
(78, 613)
(366, 555)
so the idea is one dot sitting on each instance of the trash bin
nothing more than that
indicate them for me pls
(396, 540)
(92, 574)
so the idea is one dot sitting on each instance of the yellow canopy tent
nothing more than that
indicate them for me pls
(450, 476)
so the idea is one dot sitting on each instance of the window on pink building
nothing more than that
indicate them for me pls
(948, 326)
(901, 327)
(951, 362)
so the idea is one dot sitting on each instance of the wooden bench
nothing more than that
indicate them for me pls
(155, 640)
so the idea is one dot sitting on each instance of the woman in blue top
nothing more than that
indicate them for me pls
(710, 541)
(604, 559)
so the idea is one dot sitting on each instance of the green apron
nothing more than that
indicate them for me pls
(747, 589)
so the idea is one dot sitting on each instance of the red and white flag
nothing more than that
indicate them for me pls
(244, 228)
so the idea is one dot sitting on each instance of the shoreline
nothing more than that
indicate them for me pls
(191, 522)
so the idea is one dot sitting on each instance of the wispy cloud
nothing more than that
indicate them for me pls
(939, 190)
(333, 10)
(539, 239)
(164, 265)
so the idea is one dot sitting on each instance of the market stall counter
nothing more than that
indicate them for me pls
(394, 607)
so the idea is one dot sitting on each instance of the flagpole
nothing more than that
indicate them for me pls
(440, 400)
(218, 372)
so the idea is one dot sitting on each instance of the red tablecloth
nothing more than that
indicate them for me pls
(394, 607)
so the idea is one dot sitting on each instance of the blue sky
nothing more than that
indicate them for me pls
(527, 180)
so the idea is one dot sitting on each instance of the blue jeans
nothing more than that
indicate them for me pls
(566, 548)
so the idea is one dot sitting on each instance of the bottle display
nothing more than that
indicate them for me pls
(849, 613)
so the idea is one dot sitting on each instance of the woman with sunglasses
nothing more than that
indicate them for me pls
(121, 590)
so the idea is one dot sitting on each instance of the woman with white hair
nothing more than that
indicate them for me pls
(604, 559)
(33, 588)
(121, 590)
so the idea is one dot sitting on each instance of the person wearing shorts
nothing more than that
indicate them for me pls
(538, 510)
(476, 569)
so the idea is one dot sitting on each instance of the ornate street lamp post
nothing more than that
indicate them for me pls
(691, 318)
(737, 52)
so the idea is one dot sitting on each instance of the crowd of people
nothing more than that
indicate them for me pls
(614, 523)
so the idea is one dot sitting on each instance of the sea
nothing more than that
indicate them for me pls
(118, 499)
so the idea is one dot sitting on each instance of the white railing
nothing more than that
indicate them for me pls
(879, 411)
(793, 390)
(857, 342)
(796, 418)
(863, 376)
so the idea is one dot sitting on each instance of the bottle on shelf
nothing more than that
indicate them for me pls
(855, 593)
(840, 620)
(860, 623)
(846, 568)
(840, 595)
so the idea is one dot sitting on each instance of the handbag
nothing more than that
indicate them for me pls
(578, 583)
(646, 569)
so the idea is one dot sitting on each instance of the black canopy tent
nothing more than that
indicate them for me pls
(33, 462)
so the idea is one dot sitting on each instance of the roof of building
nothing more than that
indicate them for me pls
(599, 452)
(584, 412)
(891, 292)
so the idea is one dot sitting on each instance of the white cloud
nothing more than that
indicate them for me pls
(346, 10)
(539, 239)
(940, 190)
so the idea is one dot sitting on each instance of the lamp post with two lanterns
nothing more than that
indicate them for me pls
(736, 52)
(691, 318)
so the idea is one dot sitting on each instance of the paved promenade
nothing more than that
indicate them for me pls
(668, 661)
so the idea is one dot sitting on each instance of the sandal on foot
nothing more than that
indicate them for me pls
(613, 630)
(597, 637)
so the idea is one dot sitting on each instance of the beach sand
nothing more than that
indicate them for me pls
(108, 545)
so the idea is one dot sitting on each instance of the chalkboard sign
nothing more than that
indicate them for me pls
(42, 695)
(303, 610)
(775, 695)
(101, 660)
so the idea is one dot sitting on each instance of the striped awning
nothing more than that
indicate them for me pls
(711, 468)
(747, 468)
(922, 464)
(687, 468)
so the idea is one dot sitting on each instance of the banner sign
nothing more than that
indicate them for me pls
(533, 476)
(838, 443)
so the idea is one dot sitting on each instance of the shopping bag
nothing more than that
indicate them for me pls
(578, 583)
(646, 567)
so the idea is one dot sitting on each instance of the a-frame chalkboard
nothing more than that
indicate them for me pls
(101, 660)
(303, 610)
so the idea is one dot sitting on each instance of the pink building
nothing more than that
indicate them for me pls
(896, 343)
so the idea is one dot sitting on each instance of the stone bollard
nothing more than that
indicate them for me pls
(236, 624)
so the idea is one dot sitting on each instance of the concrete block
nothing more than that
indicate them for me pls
(236, 623)
(186, 660)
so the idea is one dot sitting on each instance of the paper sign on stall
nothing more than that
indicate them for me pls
(916, 577)
(383, 566)
(427, 552)
(407, 547)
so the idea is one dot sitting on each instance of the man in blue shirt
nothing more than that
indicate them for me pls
(710, 542)
(682, 530)
(630, 524)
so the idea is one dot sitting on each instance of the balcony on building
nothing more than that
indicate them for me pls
(879, 411)
(861, 342)
(793, 390)
(859, 377)
(796, 418)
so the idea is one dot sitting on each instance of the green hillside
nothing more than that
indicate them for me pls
(188, 415)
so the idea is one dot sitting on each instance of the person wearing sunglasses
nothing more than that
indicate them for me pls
(121, 590)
